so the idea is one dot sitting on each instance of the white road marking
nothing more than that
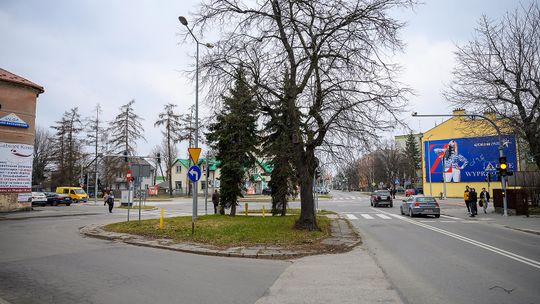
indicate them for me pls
(447, 221)
(385, 217)
(367, 216)
(450, 217)
(351, 216)
(513, 256)
(427, 221)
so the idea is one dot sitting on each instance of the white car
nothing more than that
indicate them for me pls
(39, 198)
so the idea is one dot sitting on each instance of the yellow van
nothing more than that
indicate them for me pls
(77, 194)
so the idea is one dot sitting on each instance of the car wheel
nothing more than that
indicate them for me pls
(437, 215)
(391, 205)
(67, 204)
(401, 210)
(411, 214)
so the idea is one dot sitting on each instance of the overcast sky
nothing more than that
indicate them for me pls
(109, 52)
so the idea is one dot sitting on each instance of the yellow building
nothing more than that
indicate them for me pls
(463, 151)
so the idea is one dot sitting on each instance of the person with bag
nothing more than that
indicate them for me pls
(109, 200)
(215, 200)
(473, 198)
(484, 199)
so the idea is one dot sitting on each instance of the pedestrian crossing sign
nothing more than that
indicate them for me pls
(194, 154)
(490, 167)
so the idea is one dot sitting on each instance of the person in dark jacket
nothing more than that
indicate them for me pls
(215, 200)
(484, 198)
(473, 198)
(109, 200)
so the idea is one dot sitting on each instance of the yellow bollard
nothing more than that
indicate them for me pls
(263, 210)
(246, 208)
(161, 219)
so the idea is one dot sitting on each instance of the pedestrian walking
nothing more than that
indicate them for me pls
(484, 199)
(109, 200)
(466, 197)
(215, 200)
(473, 199)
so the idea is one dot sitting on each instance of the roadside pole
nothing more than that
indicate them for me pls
(206, 187)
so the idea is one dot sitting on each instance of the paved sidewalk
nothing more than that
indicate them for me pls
(456, 208)
(352, 277)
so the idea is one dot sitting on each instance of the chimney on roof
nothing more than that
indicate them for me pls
(458, 111)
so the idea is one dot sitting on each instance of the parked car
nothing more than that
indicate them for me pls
(77, 194)
(267, 191)
(410, 192)
(322, 190)
(55, 199)
(39, 198)
(381, 197)
(420, 205)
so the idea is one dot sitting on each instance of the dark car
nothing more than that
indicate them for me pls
(420, 205)
(267, 191)
(54, 199)
(381, 197)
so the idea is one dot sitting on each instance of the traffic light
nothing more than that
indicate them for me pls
(125, 156)
(159, 158)
(503, 166)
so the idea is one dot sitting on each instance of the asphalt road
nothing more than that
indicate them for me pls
(46, 260)
(446, 260)
(427, 260)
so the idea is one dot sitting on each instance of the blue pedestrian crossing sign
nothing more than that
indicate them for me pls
(194, 173)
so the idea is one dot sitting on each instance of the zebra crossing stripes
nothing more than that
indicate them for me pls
(351, 216)
(367, 216)
(384, 217)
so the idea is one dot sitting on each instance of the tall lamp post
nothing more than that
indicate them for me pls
(501, 150)
(184, 22)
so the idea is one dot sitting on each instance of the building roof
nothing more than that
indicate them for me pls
(12, 78)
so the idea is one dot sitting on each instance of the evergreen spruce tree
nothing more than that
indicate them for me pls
(412, 156)
(234, 137)
(277, 146)
(67, 152)
(126, 129)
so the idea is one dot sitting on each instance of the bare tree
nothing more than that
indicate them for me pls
(499, 71)
(339, 87)
(391, 161)
(42, 155)
(67, 154)
(172, 134)
(126, 129)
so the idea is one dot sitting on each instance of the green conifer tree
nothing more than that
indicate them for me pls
(234, 137)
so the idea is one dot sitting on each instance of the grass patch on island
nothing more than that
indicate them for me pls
(224, 230)
(290, 211)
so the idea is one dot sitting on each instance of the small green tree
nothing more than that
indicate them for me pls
(412, 156)
(234, 137)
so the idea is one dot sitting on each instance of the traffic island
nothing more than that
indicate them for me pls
(245, 236)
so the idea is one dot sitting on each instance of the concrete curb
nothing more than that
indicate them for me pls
(342, 239)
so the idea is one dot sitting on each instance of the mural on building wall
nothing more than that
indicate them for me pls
(467, 159)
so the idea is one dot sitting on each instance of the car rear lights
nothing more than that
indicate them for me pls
(416, 204)
(437, 204)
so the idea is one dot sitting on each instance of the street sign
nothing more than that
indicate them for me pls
(194, 173)
(128, 175)
(194, 154)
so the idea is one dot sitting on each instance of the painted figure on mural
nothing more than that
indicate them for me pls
(453, 162)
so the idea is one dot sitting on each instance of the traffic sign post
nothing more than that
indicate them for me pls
(194, 174)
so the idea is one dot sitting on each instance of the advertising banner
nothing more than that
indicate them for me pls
(16, 167)
(467, 159)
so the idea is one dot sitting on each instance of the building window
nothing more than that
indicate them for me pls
(203, 185)
(178, 185)
(178, 169)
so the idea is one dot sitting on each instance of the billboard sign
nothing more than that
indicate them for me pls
(467, 159)
(16, 167)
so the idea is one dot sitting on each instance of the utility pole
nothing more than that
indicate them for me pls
(96, 160)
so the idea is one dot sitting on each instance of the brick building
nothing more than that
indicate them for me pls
(18, 98)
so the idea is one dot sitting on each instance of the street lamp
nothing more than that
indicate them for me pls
(501, 149)
(184, 22)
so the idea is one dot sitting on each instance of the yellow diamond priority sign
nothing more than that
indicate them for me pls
(194, 154)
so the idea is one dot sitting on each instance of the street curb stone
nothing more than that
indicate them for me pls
(343, 238)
